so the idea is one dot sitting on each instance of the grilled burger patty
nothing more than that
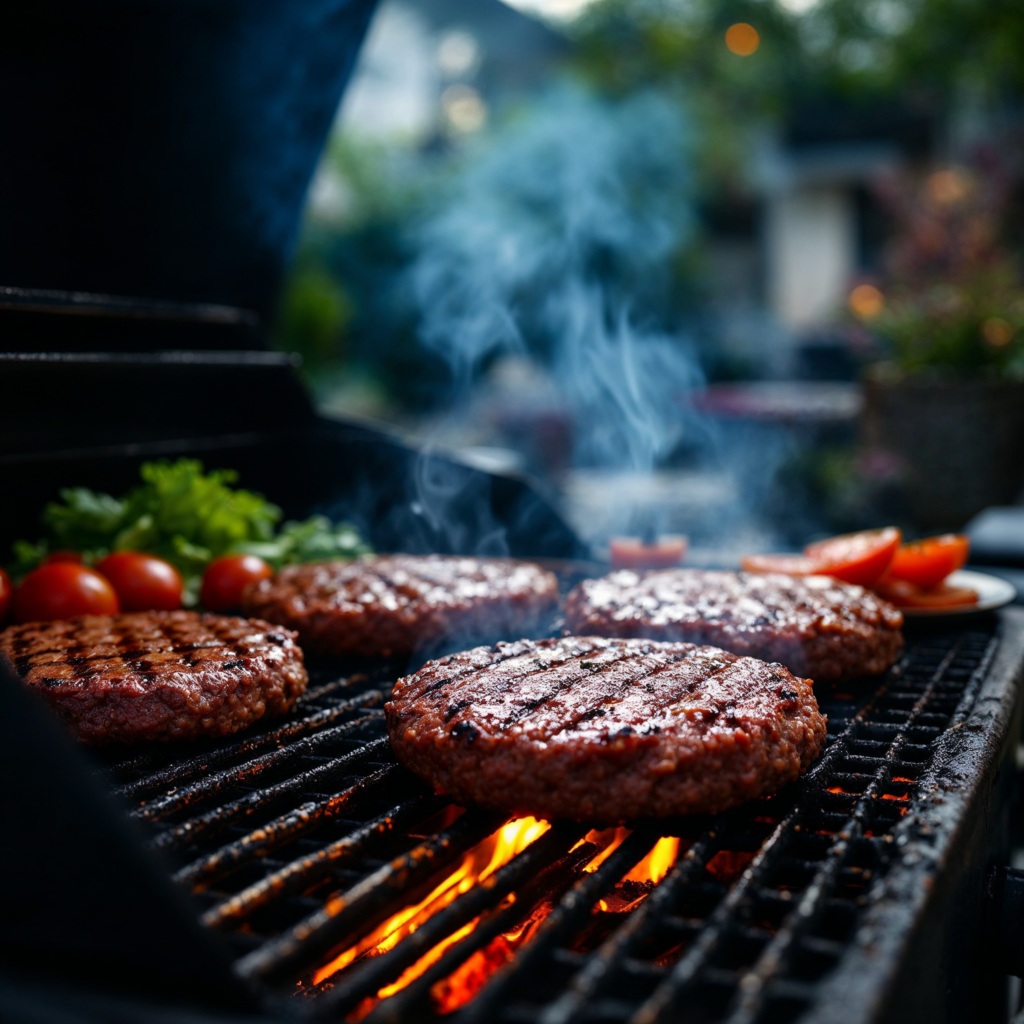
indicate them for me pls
(814, 625)
(157, 675)
(604, 730)
(395, 604)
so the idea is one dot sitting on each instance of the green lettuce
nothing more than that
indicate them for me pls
(187, 516)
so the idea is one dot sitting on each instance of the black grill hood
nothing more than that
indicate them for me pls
(163, 149)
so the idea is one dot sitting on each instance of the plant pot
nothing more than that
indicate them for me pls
(957, 444)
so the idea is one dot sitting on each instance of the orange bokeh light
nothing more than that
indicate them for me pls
(742, 39)
(997, 332)
(866, 301)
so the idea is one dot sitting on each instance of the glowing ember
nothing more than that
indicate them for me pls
(483, 860)
(463, 984)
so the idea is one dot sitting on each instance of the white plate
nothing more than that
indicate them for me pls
(993, 592)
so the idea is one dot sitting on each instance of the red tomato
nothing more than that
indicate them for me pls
(791, 565)
(62, 556)
(226, 579)
(634, 553)
(857, 557)
(904, 594)
(63, 590)
(928, 562)
(6, 593)
(142, 582)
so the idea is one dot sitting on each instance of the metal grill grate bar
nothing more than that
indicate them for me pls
(306, 870)
(210, 785)
(284, 829)
(181, 771)
(220, 817)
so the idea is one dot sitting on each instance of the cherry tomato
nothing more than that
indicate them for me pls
(634, 553)
(6, 593)
(225, 580)
(928, 562)
(791, 565)
(904, 594)
(62, 556)
(857, 557)
(63, 590)
(142, 582)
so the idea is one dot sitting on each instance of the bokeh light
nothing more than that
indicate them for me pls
(997, 332)
(866, 301)
(948, 187)
(742, 39)
(458, 54)
(463, 109)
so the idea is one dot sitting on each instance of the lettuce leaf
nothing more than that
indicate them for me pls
(187, 516)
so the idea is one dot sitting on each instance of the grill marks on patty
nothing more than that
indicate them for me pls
(815, 625)
(387, 605)
(157, 675)
(604, 729)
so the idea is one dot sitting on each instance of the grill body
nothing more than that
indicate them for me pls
(854, 895)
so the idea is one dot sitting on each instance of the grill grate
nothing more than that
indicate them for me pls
(301, 838)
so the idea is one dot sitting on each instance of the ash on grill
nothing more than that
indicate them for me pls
(337, 877)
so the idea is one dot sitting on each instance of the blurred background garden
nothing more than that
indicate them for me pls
(742, 269)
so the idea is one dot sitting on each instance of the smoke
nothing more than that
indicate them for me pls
(566, 221)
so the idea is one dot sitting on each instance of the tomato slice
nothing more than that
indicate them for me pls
(791, 565)
(928, 562)
(857, 557)
(905, 594)
(633, 553)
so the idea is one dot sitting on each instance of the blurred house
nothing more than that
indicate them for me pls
(809, 228)
(432, 66)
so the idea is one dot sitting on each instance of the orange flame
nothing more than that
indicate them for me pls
(483, 860)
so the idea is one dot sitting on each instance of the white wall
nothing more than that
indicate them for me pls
(811, 250)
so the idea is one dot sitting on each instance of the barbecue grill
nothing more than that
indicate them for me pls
(320, 878)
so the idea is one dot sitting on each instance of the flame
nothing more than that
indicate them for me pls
(650, 871)
(464, 982)
(483, 860)
(657, 864)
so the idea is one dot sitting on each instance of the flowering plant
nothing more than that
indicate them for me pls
(953, 302)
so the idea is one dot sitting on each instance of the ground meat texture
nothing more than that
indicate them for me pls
(604, 730)
(814, 625)
(157, 675)
(398, 604)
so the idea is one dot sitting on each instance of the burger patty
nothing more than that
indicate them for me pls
(396, 604)
(604, 730)
(814, 625)
(157, 675)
